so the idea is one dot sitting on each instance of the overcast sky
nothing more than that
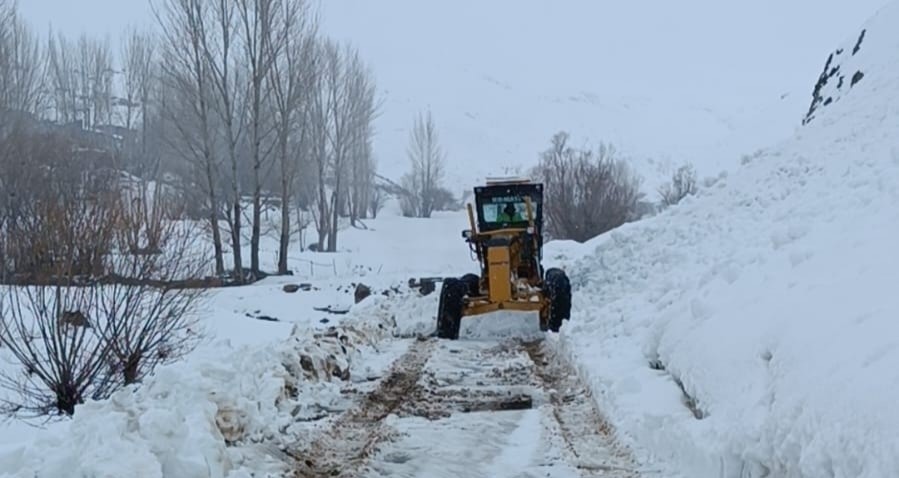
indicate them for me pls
(74, 17)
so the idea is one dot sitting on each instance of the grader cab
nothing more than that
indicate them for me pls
(506, 237)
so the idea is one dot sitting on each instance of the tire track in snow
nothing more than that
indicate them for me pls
(343, 448)
(588, 436)
(471, 408)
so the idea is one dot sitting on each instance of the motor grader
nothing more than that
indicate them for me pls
(506, 238)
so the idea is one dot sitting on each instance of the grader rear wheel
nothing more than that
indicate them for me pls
(557, 288)
(449, 312)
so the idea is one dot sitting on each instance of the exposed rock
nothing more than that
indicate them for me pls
(831, 84)
(362, 291)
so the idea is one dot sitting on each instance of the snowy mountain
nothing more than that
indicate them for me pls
(767, 299)
(694, 81)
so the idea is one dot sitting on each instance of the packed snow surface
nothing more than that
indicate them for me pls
(770, 297)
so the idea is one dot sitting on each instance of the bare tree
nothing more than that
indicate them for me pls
(60, 237)
(428, 163)
(349, 93)
(316, 114)
(147, 312)
(267, 26)
(377, 200)
(21, 71)
(63, 362)
(683, 184)
(289, 77)
(96, 70)
(63, 80)
(36, 169)
(139, 83)
(362, 112)
(187, 78)
(139, 58)
(337, 129)
(586, 193)
(362, 179)
(219, 45)
(82, 333)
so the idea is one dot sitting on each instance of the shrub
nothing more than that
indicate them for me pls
(586, 193)
(683, 184)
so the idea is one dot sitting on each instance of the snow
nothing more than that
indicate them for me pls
(181, 421)
(768, 296)
(472, 445)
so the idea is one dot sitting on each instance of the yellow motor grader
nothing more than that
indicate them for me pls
(506, 236)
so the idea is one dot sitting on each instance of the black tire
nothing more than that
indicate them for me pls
(449, 312)
(558, 291)
(472, 284)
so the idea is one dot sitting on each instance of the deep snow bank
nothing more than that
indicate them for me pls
(770, 297)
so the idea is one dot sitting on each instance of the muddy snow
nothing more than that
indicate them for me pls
(475, 408)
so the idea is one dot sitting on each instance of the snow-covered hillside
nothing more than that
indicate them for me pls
(693, 81)
(770, 298)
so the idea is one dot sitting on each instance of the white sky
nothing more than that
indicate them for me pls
(73, 17)
(801, 31)
(502, 60)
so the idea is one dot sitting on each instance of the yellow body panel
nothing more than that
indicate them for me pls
(499, 267)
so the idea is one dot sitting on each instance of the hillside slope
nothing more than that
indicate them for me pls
(696, 81)
(769, 298)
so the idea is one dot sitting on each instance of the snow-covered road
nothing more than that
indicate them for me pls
(473, 408)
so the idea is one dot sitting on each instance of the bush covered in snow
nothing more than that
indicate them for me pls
(683, 184)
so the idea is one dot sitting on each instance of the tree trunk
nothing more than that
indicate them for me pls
(67, 396)
(285, 208)
(335, 216)
(257, 220)
(257, 185)
(217, 243)
(214, 220)
(323, 227)
(235, 240)
(131, 369)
